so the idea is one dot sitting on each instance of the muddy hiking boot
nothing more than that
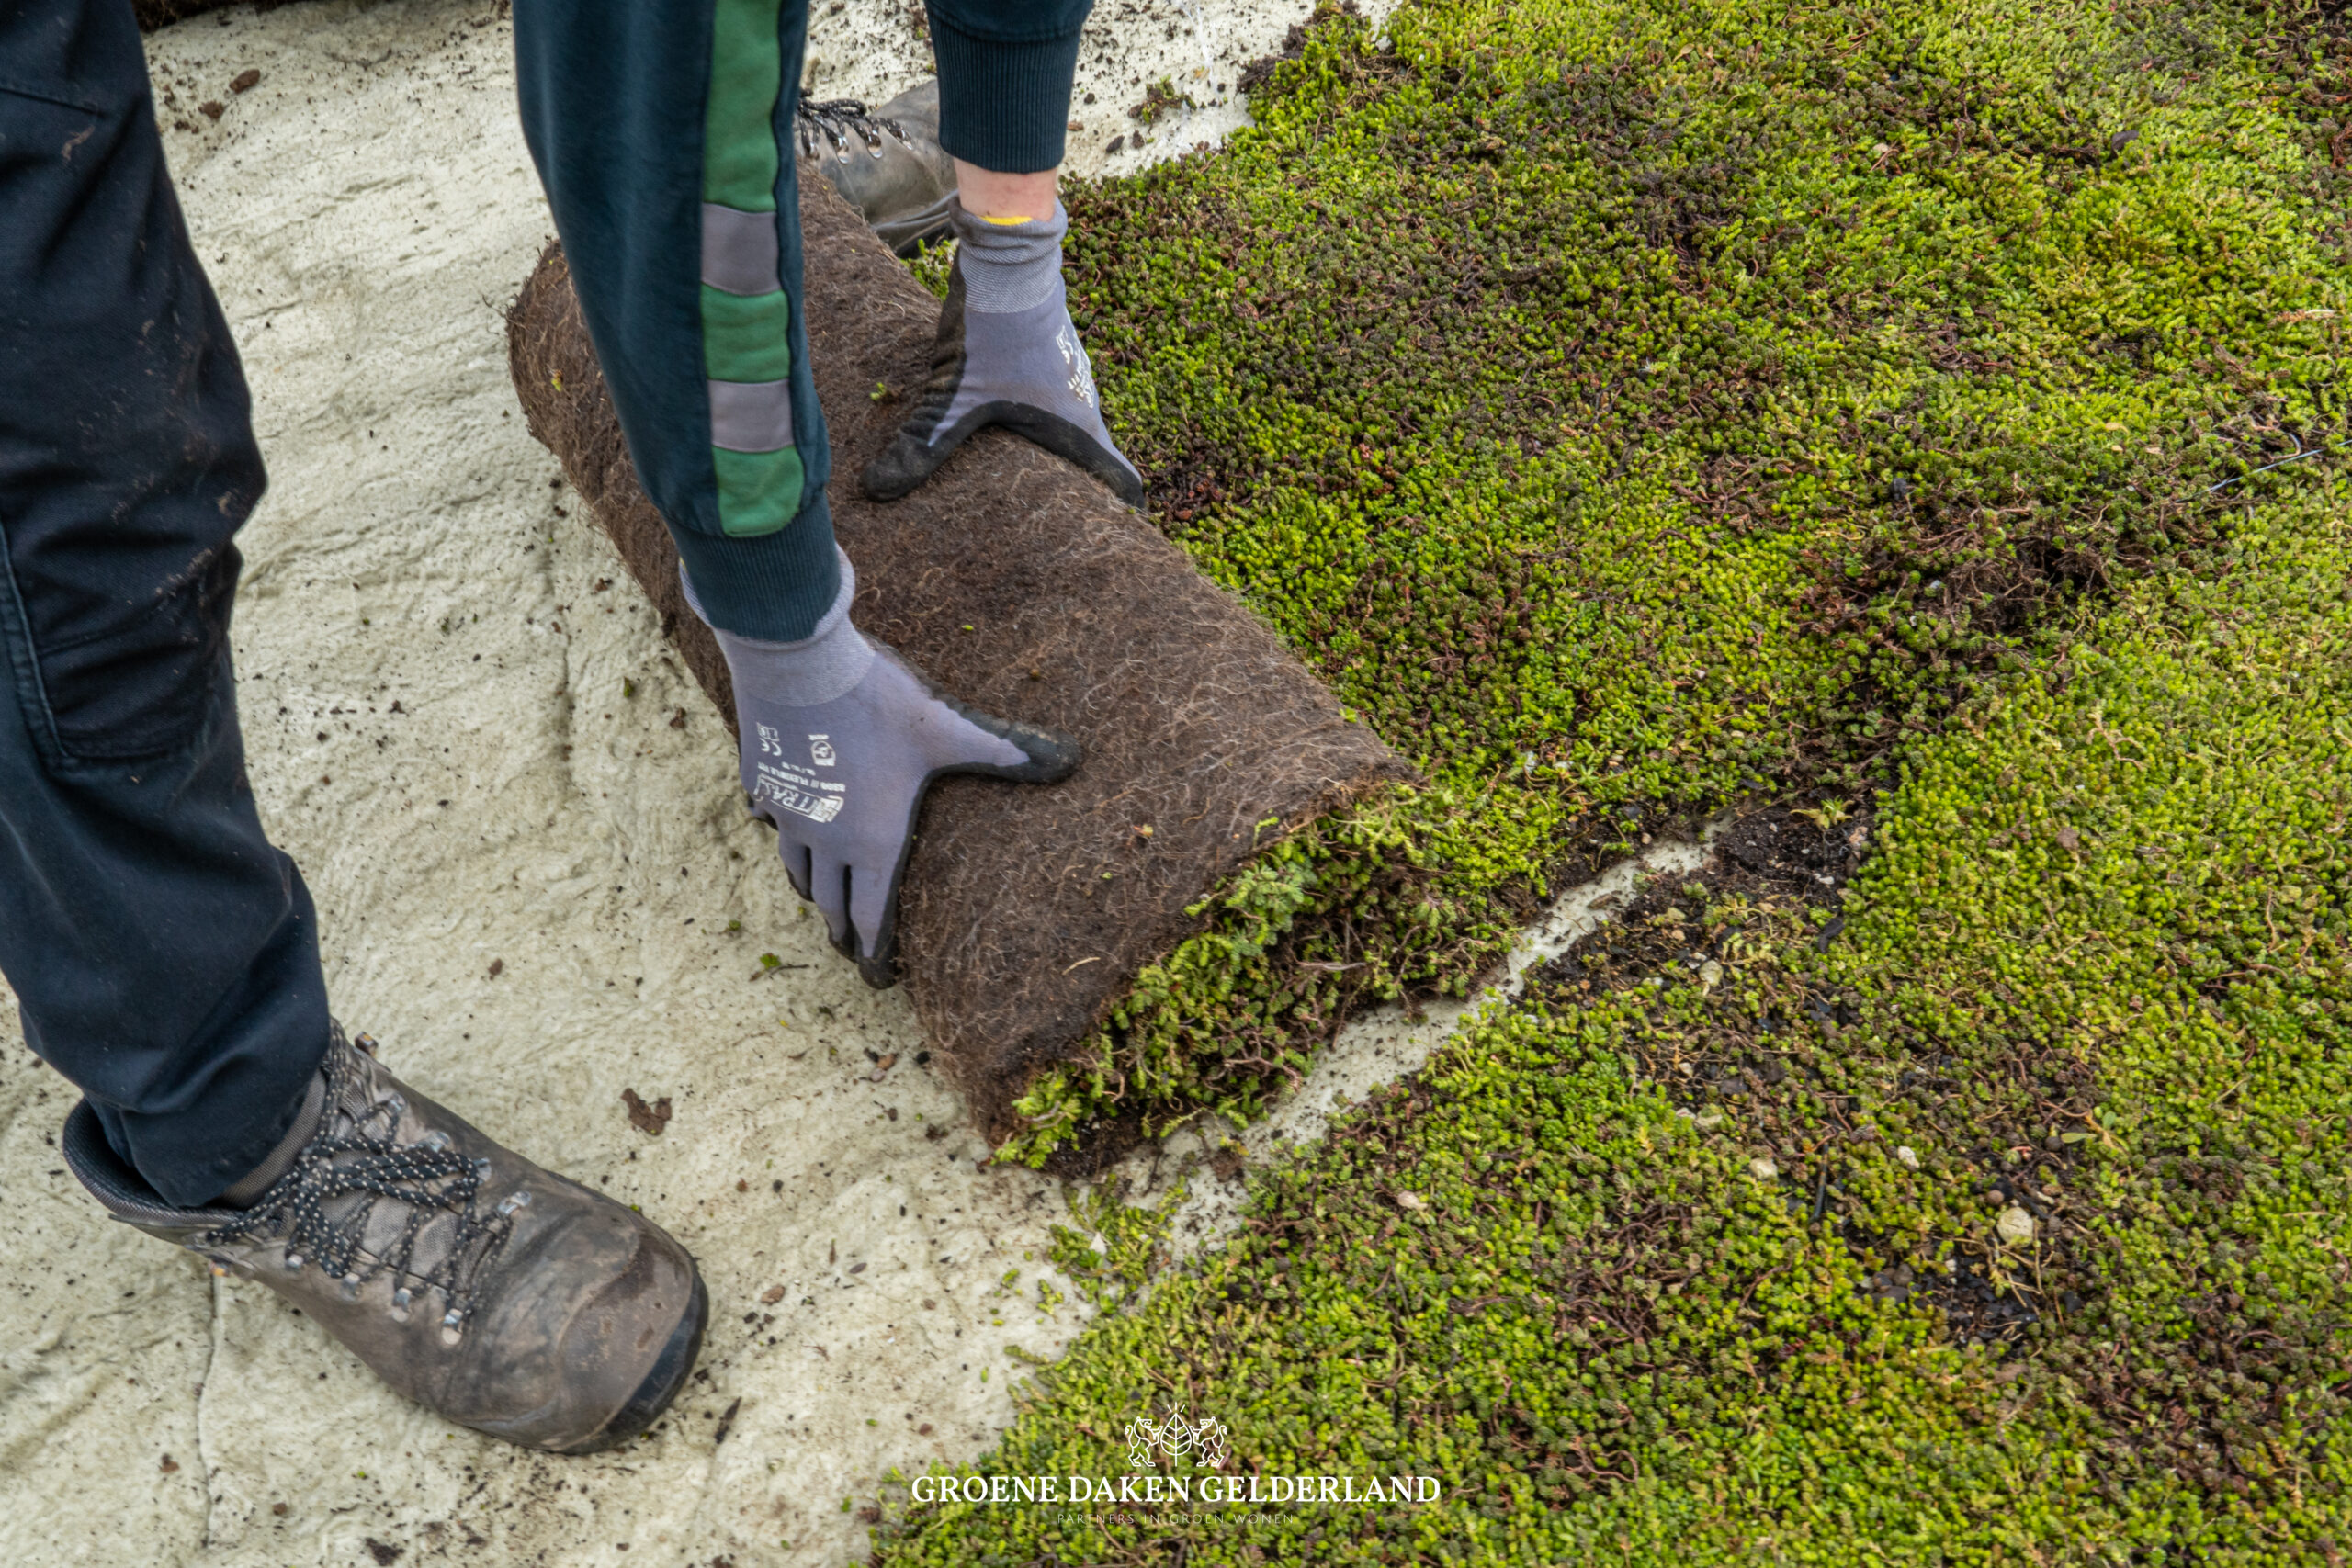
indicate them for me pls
(887, 162)
(488, 1291)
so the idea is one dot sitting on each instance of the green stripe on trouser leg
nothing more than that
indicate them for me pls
(746, 337)
(741, 159)
(746, 340)
(758, 491)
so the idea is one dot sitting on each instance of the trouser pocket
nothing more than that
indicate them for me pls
(127, 457)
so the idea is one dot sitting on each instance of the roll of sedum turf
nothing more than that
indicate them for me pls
(1019, 584)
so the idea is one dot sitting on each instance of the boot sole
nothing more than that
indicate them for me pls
(671, 1370)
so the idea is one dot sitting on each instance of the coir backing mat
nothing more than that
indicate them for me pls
(1022, 585)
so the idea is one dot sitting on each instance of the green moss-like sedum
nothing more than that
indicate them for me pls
(1626, 408)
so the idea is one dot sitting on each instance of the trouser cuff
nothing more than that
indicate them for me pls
(775, 587)
(307, 1116)
(1003, 107)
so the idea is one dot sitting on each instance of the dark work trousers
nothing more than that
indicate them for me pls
(163, 955)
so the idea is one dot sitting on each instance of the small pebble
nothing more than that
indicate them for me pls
(1762, 1169)
(1710, 975)
(2014, 1225)
(1413, 1202)
(1908, 1155)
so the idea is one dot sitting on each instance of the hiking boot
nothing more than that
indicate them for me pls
(491, 1291)
(887, 162)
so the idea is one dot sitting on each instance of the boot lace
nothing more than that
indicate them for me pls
(358, 1154)
(840, 122)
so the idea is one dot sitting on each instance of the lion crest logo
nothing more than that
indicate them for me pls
(1175, 1436)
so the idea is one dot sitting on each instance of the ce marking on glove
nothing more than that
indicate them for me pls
(770, 743)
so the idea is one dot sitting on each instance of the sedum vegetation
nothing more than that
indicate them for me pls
(1632, 408)
(1638, 409)
(1652, 1268)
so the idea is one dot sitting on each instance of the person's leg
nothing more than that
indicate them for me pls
(1007, 353)
(163, 955)
(662, 135)
(997, 198)
(664, 138)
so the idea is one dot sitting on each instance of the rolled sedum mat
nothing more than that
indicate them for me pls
(1021, 585)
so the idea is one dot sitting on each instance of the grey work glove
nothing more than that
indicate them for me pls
(839, 738)
(1006, 355)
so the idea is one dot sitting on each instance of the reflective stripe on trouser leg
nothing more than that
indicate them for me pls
(746, 315)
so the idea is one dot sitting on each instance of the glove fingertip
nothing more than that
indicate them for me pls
(1048, 756)
(1053, 755)
(841, 930)
(878, 966)
(877, 917)
(795, 859)
(902, 468)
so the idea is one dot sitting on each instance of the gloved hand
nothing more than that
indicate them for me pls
(1006, 355)
(839, 740)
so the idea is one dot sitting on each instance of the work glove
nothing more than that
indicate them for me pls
(839, 738)
(1006, 355)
